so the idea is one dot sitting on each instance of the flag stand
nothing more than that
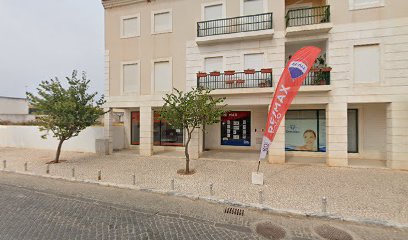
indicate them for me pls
(259, 163)
(257, 177)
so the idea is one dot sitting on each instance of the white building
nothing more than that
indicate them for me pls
(352, 107)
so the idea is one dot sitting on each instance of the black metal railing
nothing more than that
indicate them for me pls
(253, 79)
(318, 76)
(308, 16)
(234, 25)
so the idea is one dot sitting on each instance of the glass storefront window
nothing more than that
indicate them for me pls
(236, 128)
(352, 130)
(305, 130)
(165, 135)
(135, 128)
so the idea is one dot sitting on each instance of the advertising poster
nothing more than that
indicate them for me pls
(301, 135)
(236, 128)
(305, 131)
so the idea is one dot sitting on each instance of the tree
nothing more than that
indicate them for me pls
(65, 111)
(191, 110)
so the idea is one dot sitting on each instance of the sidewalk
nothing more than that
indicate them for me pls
(353, 193)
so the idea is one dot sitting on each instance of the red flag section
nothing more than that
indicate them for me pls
(292, 78)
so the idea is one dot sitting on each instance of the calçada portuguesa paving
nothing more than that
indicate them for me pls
(368, 195)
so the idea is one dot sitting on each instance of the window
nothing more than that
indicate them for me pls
(254, 61)
(162, 76)
(213, 64)
(164, 134)
(367, 63)
(352, 130)
(361, 4)
(213, 12)
(252, 7)
(305, 130)
(236, 128)
(130, 77)
(130, 26)
(162, 22)
(135, 129)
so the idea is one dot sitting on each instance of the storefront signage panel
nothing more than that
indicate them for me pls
(236, 128)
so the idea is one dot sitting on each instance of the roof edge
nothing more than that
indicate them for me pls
(118, 3)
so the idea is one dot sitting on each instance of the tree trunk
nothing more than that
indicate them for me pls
(58, 151)
(186, 152)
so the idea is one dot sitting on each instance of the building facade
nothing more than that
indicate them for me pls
(15, 110)
(353, 105)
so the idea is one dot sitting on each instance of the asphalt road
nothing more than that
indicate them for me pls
(40, 208)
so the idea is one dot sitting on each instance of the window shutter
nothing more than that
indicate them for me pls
(213, 12)
(367, 63)
(162, 77)
(162, 22)
(213, 63)
(254, 61)
(130, 78)
(252, 7)
(131, 27)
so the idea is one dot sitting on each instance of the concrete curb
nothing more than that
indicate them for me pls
(253, 206)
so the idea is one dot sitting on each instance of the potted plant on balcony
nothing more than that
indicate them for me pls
(320, 70)
(240, 81)
(262, 84)
(215, 73)
(201, 74)
(249, 71)
(266, 70)
(229, 72)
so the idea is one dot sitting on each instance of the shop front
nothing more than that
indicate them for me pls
(163, 133)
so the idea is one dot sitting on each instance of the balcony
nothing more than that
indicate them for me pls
(318, 76)
(224, 30)
(233, 80)
(309, 20)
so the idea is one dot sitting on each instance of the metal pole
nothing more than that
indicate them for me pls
(99, 175)
(259, 163)
(324, 205)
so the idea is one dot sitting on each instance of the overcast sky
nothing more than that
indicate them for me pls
(41, 39)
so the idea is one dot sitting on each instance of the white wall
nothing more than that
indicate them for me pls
(30, 137)
(13, 105)
(16, 117)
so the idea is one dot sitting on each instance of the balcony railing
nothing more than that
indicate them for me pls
(234, 25)
(308, 16)
(318, 76)
(232, 79)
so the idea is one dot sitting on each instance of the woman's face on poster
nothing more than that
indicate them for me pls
(309, 138)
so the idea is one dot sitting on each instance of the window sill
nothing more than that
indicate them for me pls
(131, 36)
(366, 6)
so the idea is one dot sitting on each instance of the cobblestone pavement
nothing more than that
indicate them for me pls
(40, 208)
(353, 193)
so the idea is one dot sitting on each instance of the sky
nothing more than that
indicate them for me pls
(43, 39)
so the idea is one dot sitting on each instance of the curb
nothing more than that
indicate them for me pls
(253, 206)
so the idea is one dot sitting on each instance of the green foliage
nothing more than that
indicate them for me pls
(66, 111)
(191, 110)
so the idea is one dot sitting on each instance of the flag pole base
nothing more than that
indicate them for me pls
(257, 178)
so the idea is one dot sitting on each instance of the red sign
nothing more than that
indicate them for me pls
(292, 78)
